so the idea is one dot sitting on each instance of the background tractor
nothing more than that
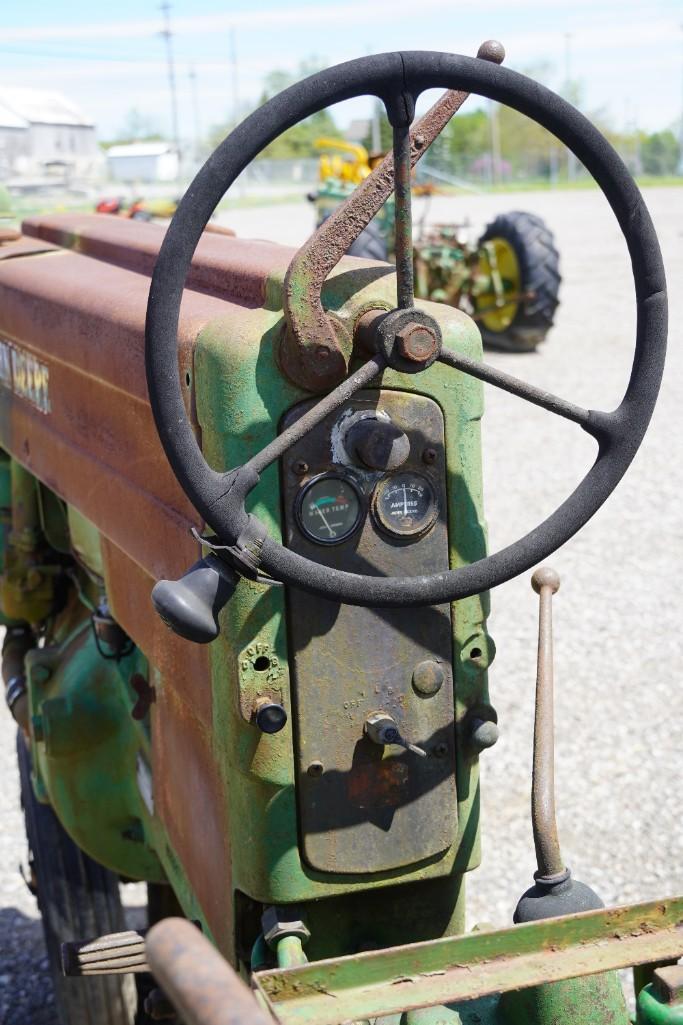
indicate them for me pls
(245, 581)
(508, 281)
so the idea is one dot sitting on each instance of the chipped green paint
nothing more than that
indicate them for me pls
(240, 399)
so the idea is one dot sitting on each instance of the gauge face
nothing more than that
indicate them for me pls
(329, 509)
(405, 504)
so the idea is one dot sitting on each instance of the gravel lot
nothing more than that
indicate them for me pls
(619, 654)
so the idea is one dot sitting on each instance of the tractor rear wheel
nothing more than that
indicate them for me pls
(529, 266)
(370, 244)
(78, 899)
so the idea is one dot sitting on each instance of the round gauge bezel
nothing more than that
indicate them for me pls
(390, 529)
(346, 478)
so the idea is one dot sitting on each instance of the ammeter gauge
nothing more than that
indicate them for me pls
(405, 504)
(329, 508)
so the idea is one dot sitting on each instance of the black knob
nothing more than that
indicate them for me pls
(190, 606)
(380, 444)
(270, 717)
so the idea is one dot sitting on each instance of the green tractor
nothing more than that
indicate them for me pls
(245, 580)
(508, 282)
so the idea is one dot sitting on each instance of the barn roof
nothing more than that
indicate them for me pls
(40, 106)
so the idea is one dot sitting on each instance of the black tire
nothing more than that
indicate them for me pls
(539, 263)
(78, 899)
(370, 244)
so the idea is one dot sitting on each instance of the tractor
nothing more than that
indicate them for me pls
(508, 282)
(245, 584)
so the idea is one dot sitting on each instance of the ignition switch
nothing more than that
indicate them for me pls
(382, 729)
(378, 443)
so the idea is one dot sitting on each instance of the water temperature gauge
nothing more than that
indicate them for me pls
(329, 509)
(405, 504)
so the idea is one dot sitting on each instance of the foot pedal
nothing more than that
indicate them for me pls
(115, 954)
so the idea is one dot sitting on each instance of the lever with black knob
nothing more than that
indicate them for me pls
(190, 606)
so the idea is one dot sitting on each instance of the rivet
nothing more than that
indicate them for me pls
(428, 677)
(300, 467)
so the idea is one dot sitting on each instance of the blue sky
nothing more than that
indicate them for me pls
(628, 55)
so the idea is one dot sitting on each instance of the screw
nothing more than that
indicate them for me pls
(316, 768)
(416, 343)
(429, 456)
(300, 467)
(441, 750)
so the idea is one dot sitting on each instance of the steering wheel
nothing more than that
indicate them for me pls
(398, 79)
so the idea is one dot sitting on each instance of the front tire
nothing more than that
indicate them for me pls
(78, 899)
(529, 266)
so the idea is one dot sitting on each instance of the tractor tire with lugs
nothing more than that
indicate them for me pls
(530, 265)
(78, 899)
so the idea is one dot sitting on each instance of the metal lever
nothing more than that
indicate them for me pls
(381, 728)
(545, 583)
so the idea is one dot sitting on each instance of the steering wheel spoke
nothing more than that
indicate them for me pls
(361, 378)
(593, 421)
(403, 218)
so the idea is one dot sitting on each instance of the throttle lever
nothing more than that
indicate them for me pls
(554, 892)
(546, 583)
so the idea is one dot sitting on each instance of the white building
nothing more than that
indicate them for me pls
(142, 162)
(43, 133)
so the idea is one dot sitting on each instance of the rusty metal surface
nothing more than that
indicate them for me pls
(200, 984)
(365, 808)
(403, 218)
(311, 354)
(223, 265)
(17, 246)
(190, 798)
(374, 983)
(548, 856)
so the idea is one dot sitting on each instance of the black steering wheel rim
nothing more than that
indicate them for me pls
(401, 77)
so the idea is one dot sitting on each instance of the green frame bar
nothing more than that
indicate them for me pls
(461, 968)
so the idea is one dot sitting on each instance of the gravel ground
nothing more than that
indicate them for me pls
(618, 648)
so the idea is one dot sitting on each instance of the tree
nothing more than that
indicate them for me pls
(660, 153)
(299, 140)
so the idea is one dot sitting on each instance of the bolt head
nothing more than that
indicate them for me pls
(667, 983)
(416, 343)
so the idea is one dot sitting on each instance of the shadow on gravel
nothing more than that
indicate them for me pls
(26, 996)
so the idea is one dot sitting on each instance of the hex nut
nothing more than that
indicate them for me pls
(416, 343)
(667, 983)
(278, 922)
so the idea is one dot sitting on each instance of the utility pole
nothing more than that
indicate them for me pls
(571, 159)
(167, 34)
(195, 112)
(235, 76)
(680, 132)
(495, 143)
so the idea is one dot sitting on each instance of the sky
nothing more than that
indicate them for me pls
(110, 59)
